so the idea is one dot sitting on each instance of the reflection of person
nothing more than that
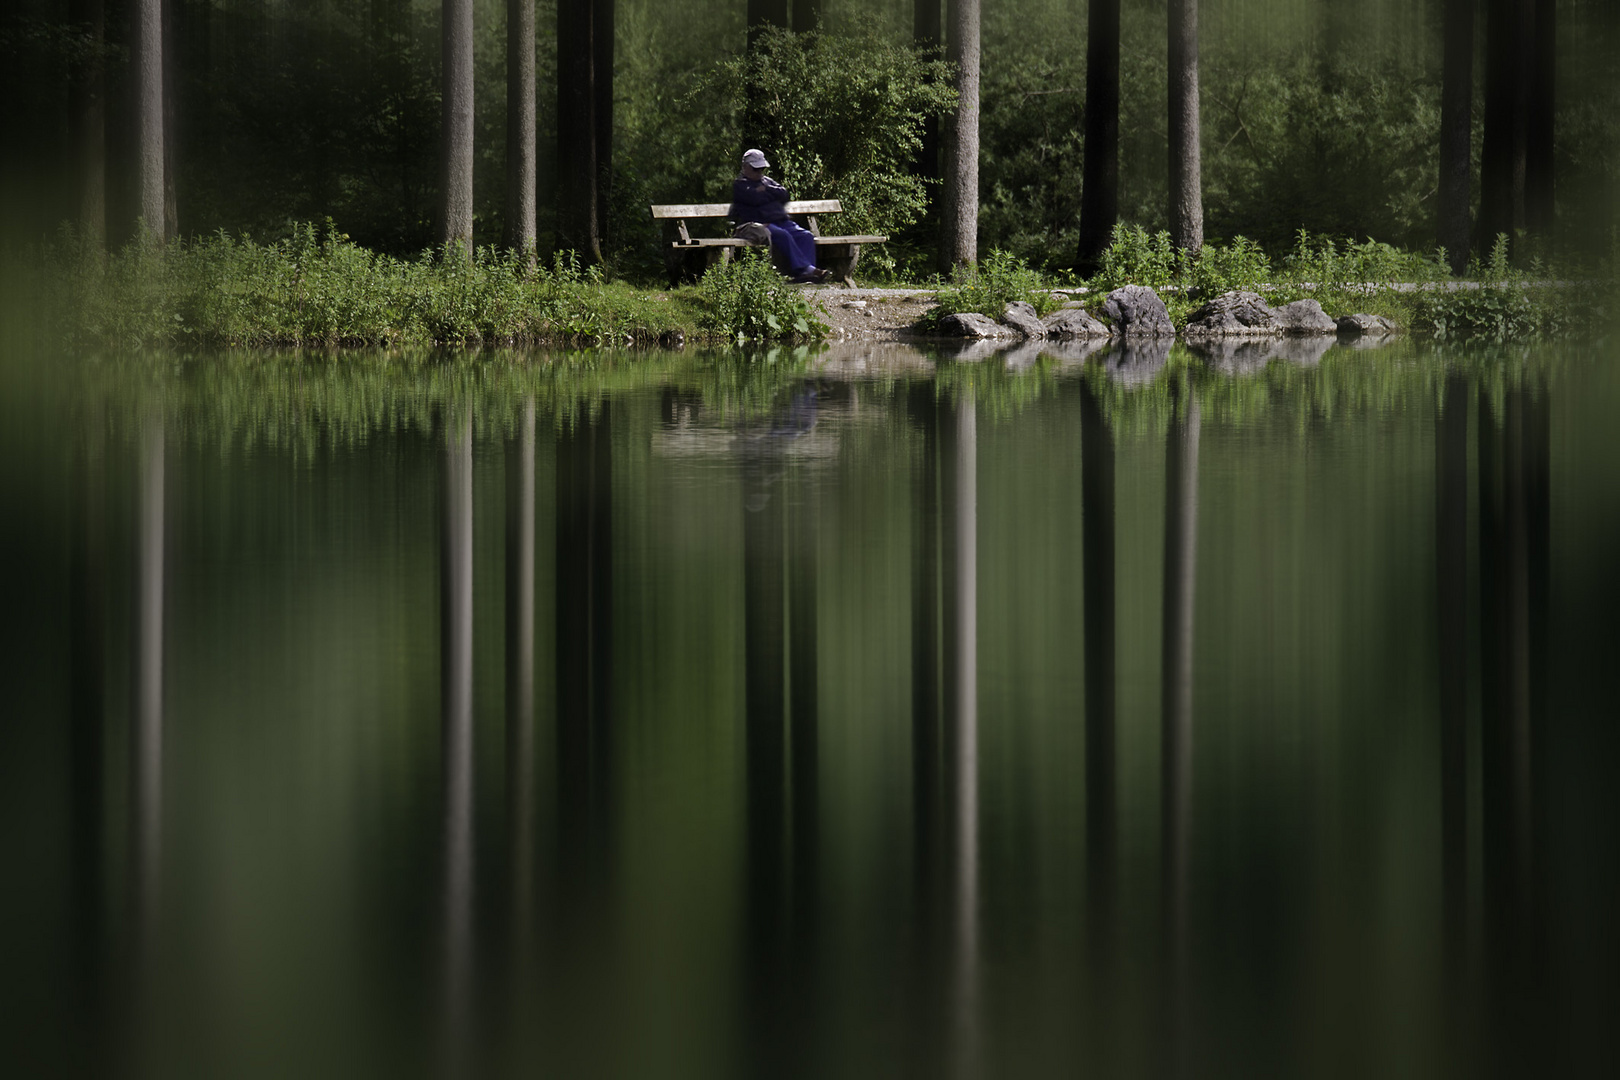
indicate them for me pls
(755, 197)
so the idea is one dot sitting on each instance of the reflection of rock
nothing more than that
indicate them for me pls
(969, 324)
(969, 352)
(1362, 325)
(1236, 356)
(1232, 356)
(1022, 357)
(1136, 362)
(1074, 322)
(1075, 350)
(1233, 314)
(1368, 341)
(1304, 351)
(1137, 311)
(1303, 317)
(1022, 318)
(857, 358)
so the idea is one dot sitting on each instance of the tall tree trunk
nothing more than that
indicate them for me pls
(763, 13)
(806, 16)
(1099, 191)
(1456, 131)
(456, 153)
(602, 40)
(171, 126)
(577, 219)
(1186, 171)
(1508, 25)
(959, 217)
(520, 109)
(148, 63)
(1538, 175)
(90, 119)
(926, 33)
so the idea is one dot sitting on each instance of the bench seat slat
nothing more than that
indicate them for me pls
(731, 241)
(665, 211)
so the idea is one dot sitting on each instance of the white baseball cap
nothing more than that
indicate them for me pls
(755, 159)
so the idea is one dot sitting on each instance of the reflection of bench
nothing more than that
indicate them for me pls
(838, 254)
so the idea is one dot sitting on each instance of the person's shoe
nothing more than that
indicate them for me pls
(819, 276)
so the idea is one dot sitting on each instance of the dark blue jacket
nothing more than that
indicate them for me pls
(762, 200)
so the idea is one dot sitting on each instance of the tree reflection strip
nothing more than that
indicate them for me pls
(456, 717)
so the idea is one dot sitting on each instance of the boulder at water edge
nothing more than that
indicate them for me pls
(1020, 315)
(970, 324)
(1137, 311)
(1371, 325)
(1303, 317)
(1074, 322)
(1233, 314)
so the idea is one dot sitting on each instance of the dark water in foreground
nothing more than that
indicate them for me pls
(660, 716)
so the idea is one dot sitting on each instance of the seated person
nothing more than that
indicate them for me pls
(755, 197)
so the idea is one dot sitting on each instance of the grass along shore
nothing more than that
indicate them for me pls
(323, 290)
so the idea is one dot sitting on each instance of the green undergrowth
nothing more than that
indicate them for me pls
(311, 289)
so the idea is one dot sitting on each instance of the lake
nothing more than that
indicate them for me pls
(871, 711)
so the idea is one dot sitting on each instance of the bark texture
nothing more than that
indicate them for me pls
(1503, 153)
(1186, 169)
(1099, 191)
(456, 188)
(148, 64)
(577, 220)
(959, 211)
(1456, 131)
(520, 118)
(90, 120)
(602, 30)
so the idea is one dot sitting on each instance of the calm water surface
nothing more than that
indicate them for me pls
(851, 714)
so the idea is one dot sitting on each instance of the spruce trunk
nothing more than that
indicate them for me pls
(1456, 131)
(148, 20)
(456, 192)
(576, 131)
(959, 213)
(1186, 194)
(1099, 190)
(520, 120)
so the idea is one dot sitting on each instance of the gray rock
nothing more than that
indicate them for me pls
(1137, 311)
(1303, 317)
(1233, 314)
(1020, 315)
(970, 324)
(1074, 323)
(1375, 325)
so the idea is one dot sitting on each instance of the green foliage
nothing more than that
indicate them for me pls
(841, 117)
(312, 289)
(747, 300)
(1507, 304)
(989, 287)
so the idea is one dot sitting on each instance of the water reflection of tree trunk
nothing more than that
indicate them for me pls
(87, 660)
(1514, 533)
(584, 590)
(1176, 674)
(961, 732)
(146, 757)
(1097, 571)
(1451, 575)
(456, 735)
(520, 683)
(764, 521)
(804, 758)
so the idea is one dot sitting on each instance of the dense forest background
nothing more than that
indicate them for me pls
(1316, 114)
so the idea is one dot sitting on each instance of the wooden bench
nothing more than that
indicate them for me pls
(837, 254)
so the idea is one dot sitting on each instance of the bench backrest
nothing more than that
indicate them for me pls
(666, 211)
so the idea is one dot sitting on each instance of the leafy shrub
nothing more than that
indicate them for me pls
(747, 299)
(840, 117)
(1507, 305)
(1000, 278)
